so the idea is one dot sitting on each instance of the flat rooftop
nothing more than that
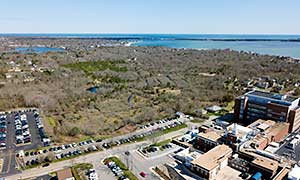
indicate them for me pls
(211, 135)
(213, 157)
(269, 127)
(64, 174)
(228, 173)
(273, 96)
(266, 163)
(240, 130)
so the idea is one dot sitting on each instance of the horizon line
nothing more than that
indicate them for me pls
(114, 33)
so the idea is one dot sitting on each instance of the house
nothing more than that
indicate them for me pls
(213, 109)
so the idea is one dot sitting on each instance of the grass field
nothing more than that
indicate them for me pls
(161, 143)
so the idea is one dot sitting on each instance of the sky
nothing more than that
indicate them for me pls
(151, 16)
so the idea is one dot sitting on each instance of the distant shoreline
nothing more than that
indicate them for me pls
(278, 45)
(159, 39)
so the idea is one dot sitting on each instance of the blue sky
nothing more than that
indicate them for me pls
(151, 16)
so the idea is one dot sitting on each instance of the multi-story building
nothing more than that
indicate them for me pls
(206, 141)
(267, 167)
(209, 165)
(264, 105)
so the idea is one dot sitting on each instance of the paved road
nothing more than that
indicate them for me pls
(96, 158)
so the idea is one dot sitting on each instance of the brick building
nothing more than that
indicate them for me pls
(268, 131)
(206, 141)
(264, 105)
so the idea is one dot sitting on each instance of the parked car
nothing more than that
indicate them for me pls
(143, 174)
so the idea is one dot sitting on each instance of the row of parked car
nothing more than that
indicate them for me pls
(44, 138)
(92, 175)
(160, 122)
(58, 154)
(22, 129)
(59, 149)
(153, 149)
(142, 135)
(3, 131)
(116, 170)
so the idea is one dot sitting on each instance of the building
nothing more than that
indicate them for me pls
(187, 155)
(236, 134)
(213, 109)
(211, 163)
(283, 174)
(267, 167)
(294, 174)
(264, 105)
(65, 174)
(268, 131)
(206, 141)
(260, 134)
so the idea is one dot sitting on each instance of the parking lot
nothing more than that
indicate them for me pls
(23, 130)
(19, 132)
(87, 146)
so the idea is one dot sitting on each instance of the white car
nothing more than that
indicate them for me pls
(25, 126)
(20, 138)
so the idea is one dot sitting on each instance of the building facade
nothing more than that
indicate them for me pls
(211, 163)
(264, 105)
(206, 141)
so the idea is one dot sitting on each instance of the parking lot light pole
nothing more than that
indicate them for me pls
(127, 153)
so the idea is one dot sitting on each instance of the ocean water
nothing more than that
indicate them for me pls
(281, 45)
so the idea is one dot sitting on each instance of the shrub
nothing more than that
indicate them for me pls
(74, 131)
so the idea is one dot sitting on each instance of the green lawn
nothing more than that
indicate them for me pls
(80, 167)
(125, 169)
(197, 121)
(220, 113)
(181, 126)
(161, 143)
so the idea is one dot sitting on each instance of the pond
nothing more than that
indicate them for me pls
(38, 50)
(93, 89)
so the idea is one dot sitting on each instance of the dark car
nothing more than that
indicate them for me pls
(45, 165)
(143, 174)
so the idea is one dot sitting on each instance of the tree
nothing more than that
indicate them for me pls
(74, 131)
(297, 92)
(227, 98)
